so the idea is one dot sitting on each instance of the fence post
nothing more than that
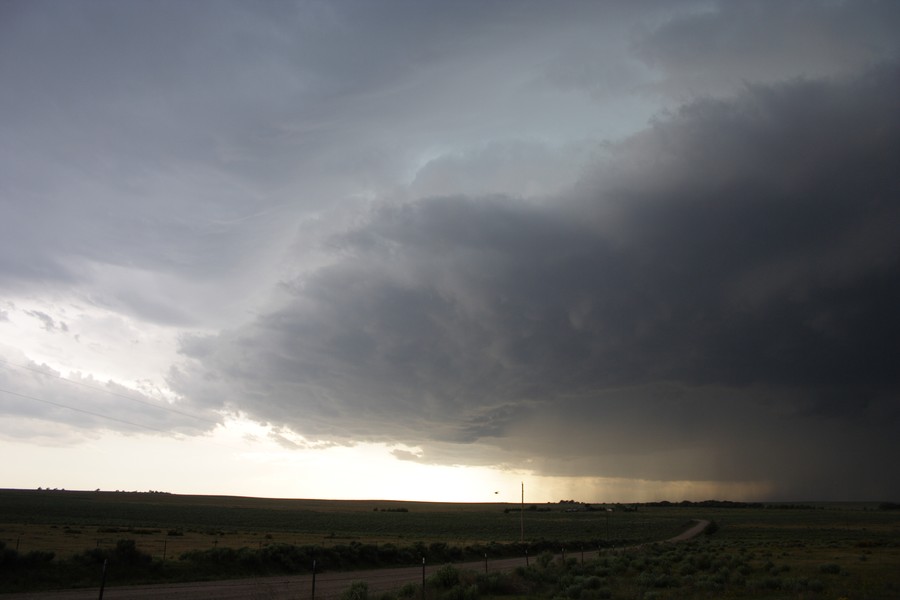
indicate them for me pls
(485, 563)
(103, 578)
(423, 578)
(314, 580)
(526, 557)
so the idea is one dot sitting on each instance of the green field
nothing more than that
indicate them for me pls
(68, 522)
(841, 550)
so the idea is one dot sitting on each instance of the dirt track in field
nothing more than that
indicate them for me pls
(328, 585)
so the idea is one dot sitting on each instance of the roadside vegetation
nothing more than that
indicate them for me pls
(706, 568)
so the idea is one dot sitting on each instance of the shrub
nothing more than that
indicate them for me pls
(358, 590)
(36, 558)
(765, 583)
(830, 568)
(461, 592)
(445, 577)
(494, 583)
(544, 559)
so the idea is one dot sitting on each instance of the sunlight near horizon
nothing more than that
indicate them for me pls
(242, 459)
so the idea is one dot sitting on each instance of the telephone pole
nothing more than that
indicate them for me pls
(522, 513)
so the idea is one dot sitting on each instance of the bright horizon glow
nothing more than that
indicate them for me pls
(239, 460)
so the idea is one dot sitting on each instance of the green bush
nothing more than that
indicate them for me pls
(461, 592)
(446, 577)
(494, 583)
(358, 590)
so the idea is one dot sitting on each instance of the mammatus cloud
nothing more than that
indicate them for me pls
(714, 300)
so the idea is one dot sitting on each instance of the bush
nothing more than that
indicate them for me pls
(126, 552)
(358, 590)
(445, 577)
(36, 558)
(494, 583)
(544, 559)
(830, 568)
(461, 592)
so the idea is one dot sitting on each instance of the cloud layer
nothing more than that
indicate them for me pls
(648, 240)
(714, 297)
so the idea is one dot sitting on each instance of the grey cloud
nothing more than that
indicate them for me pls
(47, 322)
(519, 169)
(184, 143)
(406, 455)
(713, 293)
(715, 299)
(37, 395)
(717, 47)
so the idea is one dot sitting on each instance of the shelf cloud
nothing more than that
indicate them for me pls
(635, 241)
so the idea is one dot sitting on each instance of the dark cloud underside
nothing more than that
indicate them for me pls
(721, 286)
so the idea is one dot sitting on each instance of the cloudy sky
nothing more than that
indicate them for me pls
(618, 251)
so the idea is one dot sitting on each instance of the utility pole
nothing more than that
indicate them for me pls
(522, 513)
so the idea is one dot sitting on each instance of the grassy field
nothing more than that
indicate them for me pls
(69, 522)
(825, 551)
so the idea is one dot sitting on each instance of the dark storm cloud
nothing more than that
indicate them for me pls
(712, 300)
(716, 298)
(716, 46)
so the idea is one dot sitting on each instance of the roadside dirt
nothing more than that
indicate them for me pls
(328, 585)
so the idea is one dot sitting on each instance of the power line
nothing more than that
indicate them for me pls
(110, 392)
(211, 422)
(115, 420)
(82, 410)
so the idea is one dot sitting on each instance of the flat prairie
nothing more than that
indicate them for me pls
(68, 522)
(810, 550)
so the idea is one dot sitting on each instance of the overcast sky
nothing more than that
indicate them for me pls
(418, 249)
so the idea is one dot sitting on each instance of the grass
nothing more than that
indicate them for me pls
(68, 522)
(830, 551)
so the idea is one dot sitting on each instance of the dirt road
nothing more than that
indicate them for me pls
(328, 585)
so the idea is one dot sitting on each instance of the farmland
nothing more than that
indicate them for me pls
(810, 551)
